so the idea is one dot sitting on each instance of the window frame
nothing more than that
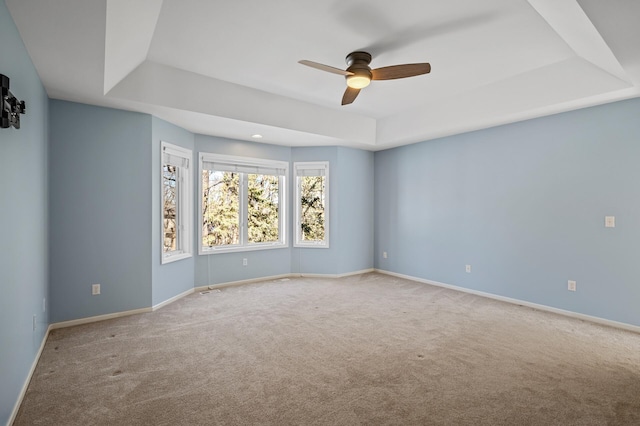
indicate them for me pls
(297, 233)
(184, 190)
(245, 162)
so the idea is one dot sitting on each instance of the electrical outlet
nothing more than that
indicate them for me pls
(609, 221)
(245, 262)
(95, 289)
(384, 254)
(571, 285)
(467, 268)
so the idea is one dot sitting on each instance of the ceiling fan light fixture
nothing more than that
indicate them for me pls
(359, 74)
(358, 81)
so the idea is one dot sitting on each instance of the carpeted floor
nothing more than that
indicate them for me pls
(368, 349)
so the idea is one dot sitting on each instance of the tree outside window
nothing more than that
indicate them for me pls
(311, 204)
(176, 202)
(242, 203)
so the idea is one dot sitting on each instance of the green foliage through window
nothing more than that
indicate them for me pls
(170, 206)
(263, 208)
(312, 214)
(311, 204)
(221, 208)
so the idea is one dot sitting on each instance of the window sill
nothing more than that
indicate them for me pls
(204, 251)
(175, 257)
(311, 245)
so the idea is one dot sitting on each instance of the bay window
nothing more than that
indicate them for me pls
(242, 204)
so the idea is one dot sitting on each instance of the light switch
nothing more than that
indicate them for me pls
(609, 221)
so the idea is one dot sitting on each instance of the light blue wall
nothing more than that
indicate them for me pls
(170, 279)
(356, 215)
(524, 204)
(227, 267)
(100, 210)
(23, 215)
(350, 213)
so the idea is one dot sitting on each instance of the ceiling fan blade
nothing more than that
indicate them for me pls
(323, 67)
(400, 71)
(350, 95)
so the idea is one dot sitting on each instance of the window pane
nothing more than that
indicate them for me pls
(221, 208)
(263, 208)
(312, 202)
(170, 210)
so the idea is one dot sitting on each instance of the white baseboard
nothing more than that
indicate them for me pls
(241, 282)
(88, 320)
(597, 320)
(279, 277)
(173, 299)
(347, 274)
(25, 386)
(97, 318)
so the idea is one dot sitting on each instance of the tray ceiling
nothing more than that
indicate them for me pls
(230, 68)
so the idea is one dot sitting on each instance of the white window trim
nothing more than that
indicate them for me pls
(282, 201)
(185, 203)
(298, 242)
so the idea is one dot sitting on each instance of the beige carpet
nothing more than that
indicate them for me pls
(368, 349)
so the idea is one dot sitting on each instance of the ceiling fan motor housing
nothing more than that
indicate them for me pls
(358, 64)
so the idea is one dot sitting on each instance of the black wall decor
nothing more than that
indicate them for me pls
(11, 106)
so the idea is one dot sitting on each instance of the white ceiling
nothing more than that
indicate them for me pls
(229, 68)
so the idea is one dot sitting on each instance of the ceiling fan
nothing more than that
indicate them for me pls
(359, 74)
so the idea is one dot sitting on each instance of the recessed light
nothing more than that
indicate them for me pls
(256, 136)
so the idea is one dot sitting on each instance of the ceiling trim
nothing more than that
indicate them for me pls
(129, 30)
(158, 84)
